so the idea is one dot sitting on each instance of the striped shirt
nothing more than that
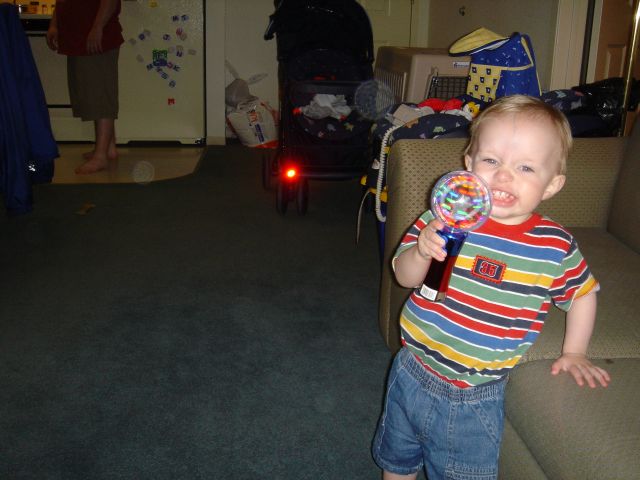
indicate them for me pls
(501, 287)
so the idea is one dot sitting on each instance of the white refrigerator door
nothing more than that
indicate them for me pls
(161, 71)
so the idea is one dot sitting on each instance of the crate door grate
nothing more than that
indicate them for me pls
(396, 81)
(446, 87)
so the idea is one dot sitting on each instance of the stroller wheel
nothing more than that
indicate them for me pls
(283, 193)
(302, 196)
(268, 179)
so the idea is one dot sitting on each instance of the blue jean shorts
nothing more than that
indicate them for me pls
(454, 433)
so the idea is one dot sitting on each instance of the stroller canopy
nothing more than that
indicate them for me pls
(305, 25)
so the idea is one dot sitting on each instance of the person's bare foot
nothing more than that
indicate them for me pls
(111, 155)
(92, 166)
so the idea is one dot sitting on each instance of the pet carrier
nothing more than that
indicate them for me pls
(414, 74)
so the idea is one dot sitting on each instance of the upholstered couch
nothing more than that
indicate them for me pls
(555, 429)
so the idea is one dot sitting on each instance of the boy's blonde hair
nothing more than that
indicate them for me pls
(533, 108)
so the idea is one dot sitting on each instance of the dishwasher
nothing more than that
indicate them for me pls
(52, 68)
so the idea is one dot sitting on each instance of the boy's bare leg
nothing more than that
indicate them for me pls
(394, 476)
(112, 152)
(105, 148)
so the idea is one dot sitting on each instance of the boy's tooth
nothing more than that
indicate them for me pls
(500, 195)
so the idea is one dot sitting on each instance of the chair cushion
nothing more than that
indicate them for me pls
(578, 432)
(592, 169)
(624, 219)
(617, 330)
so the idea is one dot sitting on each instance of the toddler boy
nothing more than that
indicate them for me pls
(444, 403)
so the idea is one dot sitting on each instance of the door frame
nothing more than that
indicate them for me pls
(571, 23)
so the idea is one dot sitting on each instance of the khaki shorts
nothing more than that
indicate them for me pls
(93, 85)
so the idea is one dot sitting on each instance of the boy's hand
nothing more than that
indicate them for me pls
(581, 368)
(94, 41)
(430, 244)
(52, 37)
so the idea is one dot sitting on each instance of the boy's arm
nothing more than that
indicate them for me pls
(581, 318)
(412, 265)
(94, 39)
(52, 32)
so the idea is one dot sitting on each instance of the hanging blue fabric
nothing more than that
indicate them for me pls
(500, 66)
(27, 146)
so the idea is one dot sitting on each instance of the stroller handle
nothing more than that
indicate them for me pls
(271, 28)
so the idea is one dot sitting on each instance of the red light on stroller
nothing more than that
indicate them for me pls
(290, 173)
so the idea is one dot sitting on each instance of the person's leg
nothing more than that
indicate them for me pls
(112, 151)
(396, 447)
(104, 150)
(95, 91)
(474, 423)
(394, 476)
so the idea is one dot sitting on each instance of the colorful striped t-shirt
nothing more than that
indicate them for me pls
(500, 290)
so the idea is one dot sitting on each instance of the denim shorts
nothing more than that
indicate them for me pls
(454, 433)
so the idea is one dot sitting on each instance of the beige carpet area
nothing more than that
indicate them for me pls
(134, 164)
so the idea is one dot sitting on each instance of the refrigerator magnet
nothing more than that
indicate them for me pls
(160, 58)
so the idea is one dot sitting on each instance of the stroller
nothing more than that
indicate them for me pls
(324, 51)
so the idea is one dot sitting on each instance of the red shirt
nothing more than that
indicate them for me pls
(75, 19)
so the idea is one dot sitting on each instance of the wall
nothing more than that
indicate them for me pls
(234, 31)
(536, 19)
(246, 48)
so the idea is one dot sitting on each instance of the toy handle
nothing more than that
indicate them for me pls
(436, 282)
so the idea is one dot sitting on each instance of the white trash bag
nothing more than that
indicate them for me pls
(252, 120)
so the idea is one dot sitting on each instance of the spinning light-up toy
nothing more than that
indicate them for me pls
(462, 201)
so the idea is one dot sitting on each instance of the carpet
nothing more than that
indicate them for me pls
(184, 330)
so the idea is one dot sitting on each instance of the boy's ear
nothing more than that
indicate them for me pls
(555, 185)
(468, 163)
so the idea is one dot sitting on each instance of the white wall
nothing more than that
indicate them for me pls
(537, 19)
(235, 30)
(214, 70)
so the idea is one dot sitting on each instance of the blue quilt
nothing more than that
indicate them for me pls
(27, 146)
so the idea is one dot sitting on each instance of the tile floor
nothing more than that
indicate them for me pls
(134, 165)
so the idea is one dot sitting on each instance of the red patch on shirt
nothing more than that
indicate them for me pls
(488, 269)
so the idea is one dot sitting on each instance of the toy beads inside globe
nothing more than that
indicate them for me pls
(461, 200)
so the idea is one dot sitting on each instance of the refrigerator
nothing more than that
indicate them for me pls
(161, 76)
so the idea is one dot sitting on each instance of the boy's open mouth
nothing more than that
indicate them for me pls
(501, 197)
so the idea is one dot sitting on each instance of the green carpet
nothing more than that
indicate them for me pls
(185, 330)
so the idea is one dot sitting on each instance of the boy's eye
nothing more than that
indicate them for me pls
(526, 169)
(490, 161)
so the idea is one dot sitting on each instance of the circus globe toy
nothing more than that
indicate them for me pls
(462, 201)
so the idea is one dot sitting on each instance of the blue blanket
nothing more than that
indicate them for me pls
(27, 146)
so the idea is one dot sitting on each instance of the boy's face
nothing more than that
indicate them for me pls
(519, 158)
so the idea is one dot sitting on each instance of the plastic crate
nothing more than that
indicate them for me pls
(409, 72)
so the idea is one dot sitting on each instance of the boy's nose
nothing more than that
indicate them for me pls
(504, 174)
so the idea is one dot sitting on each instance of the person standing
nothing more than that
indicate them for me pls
(89, 33)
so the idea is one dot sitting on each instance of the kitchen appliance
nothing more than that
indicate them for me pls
(161, 74)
